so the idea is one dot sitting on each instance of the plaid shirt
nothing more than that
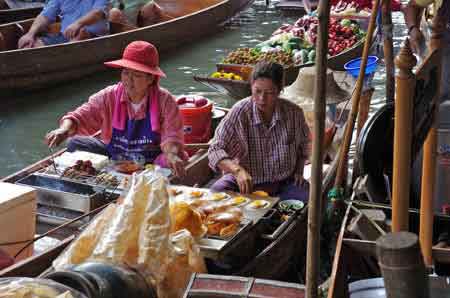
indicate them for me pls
(270, 153)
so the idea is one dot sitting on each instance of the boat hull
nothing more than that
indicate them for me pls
(27, 69)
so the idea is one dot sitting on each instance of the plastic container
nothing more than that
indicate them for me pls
(196, 112)
(353, 66)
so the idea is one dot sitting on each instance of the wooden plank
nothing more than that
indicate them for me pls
(338, 286)
(364, 247)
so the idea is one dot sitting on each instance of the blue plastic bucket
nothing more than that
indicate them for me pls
(353, 66)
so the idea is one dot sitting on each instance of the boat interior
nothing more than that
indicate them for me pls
(15, 4)
(149, 14)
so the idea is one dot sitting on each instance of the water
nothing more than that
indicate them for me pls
(24, 123)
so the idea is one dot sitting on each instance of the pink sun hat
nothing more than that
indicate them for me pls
(141, 56)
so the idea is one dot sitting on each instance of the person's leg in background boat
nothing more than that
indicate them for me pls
(290, 191)
(89, 144)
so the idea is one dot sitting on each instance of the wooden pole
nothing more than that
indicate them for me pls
(402, 266)
(388, 49)
(355, 99)
(429, 163)
(315, 194)
(405, 88)
(364, 107)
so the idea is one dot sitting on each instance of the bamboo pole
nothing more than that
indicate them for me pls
(405, 88)
(388, 49)
(429, 163)
(315, 194)
(355, 99)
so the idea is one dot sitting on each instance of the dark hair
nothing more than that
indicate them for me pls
(269, 70)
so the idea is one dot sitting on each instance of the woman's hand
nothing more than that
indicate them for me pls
(244, 180)
(176, 164)
(56, 137)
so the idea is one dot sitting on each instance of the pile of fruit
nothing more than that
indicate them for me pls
(226, 75)
(295, 44)
(250, 56)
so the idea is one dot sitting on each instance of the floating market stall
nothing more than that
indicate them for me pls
(292, 45)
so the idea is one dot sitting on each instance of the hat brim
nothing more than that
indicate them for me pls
(125, 63)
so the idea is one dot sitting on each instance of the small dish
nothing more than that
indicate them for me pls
(289, 206)
(260, 193)
(239, 201)
(219, 196)
(258, 204)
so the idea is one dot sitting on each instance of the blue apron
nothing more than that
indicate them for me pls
(137, 139)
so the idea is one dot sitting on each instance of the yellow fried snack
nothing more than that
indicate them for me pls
(196, 193)
(218, 196)
(183, 216)
(239, 200)
(260, 193)
(258, 204)
(229, 230)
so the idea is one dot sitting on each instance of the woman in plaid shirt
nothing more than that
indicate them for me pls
(262, 144)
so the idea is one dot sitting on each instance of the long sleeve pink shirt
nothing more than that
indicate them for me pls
(97, 114)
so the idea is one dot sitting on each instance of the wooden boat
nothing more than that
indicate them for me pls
(15, 10)
(241, 89)
(280, 246)
(296, 7)
(25, 69)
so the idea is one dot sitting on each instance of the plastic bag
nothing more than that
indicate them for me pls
(23, 287)
(184, 259)
(119, 244)
(154, 234)
(82, 247)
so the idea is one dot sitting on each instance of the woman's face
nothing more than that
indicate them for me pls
(264, 94)
(136, 83)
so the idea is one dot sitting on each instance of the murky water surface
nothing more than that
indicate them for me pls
(24, 122)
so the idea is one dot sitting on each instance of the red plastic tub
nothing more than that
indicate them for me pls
(197, 116)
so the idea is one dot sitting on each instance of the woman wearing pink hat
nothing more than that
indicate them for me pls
(136, 117)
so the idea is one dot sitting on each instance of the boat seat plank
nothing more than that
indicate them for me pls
(15, 4)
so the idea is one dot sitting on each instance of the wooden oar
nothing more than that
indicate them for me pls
(315, 194)
(355, 98)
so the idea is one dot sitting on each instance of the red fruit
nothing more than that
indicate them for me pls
(200, 102)
(181, 100)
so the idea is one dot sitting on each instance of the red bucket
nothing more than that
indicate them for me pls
(196, 112)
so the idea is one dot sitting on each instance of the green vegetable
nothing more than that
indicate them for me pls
(312, 56)
(304, 55)
(346, 23)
